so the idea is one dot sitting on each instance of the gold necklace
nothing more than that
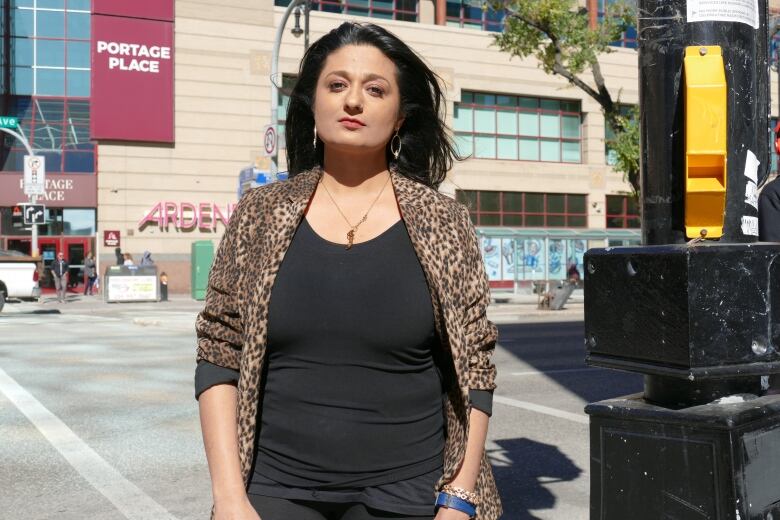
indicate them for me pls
(351, 232)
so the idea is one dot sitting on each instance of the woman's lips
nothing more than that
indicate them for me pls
(351, 124)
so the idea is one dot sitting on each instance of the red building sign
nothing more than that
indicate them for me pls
(132, 78)
(148, 9)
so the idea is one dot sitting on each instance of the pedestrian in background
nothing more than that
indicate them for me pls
(769, 231)
(120, 258)
(59, 270)
(358, 340)
(146, 260)
(90, 271)
(128, 260)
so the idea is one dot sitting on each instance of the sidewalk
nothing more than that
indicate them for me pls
(504, 308)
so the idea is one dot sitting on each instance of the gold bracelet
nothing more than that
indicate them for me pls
(468, 496)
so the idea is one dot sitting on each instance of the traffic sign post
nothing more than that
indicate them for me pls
(34, 214)
(9, 122)
(270, 141)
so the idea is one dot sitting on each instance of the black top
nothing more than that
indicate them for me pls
(769, 212)
(352, 403)
(352, 396)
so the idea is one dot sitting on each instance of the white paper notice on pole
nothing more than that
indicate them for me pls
(750, 226)
(751, 166)
(741, 11)
(34, 175)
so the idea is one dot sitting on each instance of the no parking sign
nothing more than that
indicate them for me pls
(269, 140)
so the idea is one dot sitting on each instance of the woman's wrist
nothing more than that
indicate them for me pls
(229, 493)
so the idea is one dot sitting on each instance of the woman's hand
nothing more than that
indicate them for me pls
(240, 509)
(445, 513)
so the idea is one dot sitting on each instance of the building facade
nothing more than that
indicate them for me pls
(538, 178)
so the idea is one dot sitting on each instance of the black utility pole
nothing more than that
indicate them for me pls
(696, 308)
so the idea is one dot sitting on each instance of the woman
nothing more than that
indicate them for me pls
(343, 352)
(128, 260)
(90, 271)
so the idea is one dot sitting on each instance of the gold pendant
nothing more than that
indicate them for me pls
(350, 238)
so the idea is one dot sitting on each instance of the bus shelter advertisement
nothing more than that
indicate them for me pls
(132, 79)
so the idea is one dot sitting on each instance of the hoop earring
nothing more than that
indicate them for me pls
(314, 143)
(397, 151)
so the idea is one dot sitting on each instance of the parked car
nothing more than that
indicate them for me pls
(18, 277)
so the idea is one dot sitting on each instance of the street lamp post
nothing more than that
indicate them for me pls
(294, 4)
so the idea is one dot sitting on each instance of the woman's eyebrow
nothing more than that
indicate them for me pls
(366, 77)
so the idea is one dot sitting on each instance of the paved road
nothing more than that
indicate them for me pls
(98, 421)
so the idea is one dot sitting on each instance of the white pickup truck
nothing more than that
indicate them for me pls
(18, 277)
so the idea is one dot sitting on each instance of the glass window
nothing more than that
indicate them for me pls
(485, 120)
(78, 26)
(78, 221)
(556, 204)
(51, 53)
(78, 83)
(507, 122)
(576, 204)
(51, 24)
(485, 147)
(78, 54)
(571, 152)
(541, 209)
(571, 127)
(463, 119)
(534, 202)
(529, 123)
(22, 22)
(22, 51)
(22, 80)
(51, 4)
(529, 149)
(79, 162)
(80, 5)
(513, 201)
(550, 151)
(489, 201)
(50, 82)
(549, 125)
(465, 145)
(507, 148)
(622, 212)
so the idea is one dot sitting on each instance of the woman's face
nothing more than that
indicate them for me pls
(357, 100)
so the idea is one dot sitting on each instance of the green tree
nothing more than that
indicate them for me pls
(558, 34)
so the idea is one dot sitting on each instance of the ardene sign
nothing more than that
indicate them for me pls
(186, 216)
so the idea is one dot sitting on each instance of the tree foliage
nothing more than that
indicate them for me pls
(558, 34)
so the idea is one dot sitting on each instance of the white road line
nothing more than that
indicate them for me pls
(133, 503)
(561, 371)
(532, 407)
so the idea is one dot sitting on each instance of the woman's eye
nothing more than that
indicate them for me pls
(337, 85)
(376, 91)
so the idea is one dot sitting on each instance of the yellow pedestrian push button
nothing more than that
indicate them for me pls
(705, 141)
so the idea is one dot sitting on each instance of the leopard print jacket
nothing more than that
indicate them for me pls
(232, 327)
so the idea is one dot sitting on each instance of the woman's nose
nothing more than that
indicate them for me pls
(354, 100)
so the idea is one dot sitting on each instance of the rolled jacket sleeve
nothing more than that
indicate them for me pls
(208, 374)
(219, 326)
(481, 334)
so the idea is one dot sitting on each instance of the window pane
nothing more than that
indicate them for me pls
(576, 204)
(50, 82)
(529, 123)
(571, 127)
(507, 122)
(50, 110)
(551, 151)
(489, 220)
(464, 144)
(529, 149)
(556, 220)
(570, 106)
(633, 222)
(484, 99)
(506, 101)
(485, 147)
(467, 197)
(614, 222)
(78, 25)
(463, 119)
(507, 148)
(22, 81)
(51, 53)
(488, 201)
(51, 24)
(78, 221)
(78, 54)
(530, 103)
(466, 97)
(51, 4)
(633, 206)
(513, 220)
(47, 137)
(513, 201)
(577, 221)
(534, 220)
(80, 162)
(534, 203)
(571, 151)
(485, 120)
(555, 203)
(549, 125)
(550, 104)
(614, 205)
(78, 83)
(22, 22)
(22, 51)
(81, 5)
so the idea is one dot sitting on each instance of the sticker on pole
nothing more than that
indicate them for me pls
(738, 11)
(269, 140)
(34, 175)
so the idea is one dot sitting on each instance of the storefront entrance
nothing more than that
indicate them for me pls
(75, 250)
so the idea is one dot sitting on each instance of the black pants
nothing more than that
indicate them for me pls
(280, 509)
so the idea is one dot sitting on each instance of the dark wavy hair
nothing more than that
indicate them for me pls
(427, 151)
